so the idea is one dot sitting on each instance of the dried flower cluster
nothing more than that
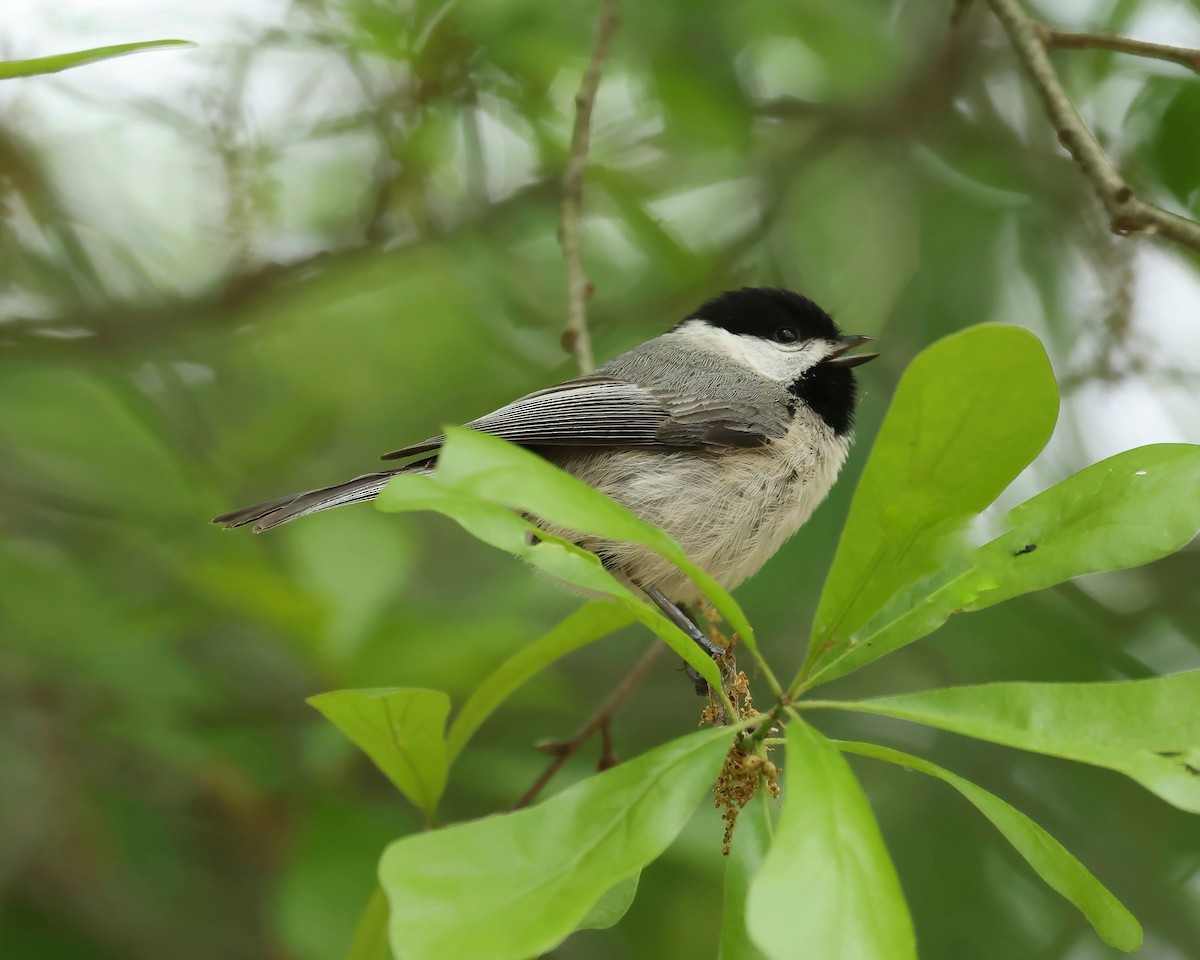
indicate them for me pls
(743, 772)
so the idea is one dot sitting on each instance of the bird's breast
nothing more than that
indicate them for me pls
(729, 510)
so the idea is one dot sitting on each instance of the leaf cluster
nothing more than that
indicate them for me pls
(970, 413)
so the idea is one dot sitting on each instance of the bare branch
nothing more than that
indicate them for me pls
(601, 719)
(1184, 56)
(1126, 213)
(120, 326)
(576, 338)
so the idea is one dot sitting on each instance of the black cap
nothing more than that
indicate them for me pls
(761, 311)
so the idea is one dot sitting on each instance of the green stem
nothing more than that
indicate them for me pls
(765, 724)
(767, 672)
(829, 705)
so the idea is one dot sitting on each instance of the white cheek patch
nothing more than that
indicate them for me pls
(776, 361)
(779, 362)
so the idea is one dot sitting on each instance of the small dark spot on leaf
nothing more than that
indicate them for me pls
(1028, 548)
(1190, 769)
(1168, 754)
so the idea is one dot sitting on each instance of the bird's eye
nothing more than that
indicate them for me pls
(787, 334)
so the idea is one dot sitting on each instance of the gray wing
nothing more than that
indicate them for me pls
(610, 412)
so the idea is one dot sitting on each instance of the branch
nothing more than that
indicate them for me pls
(126, 325)
(1184, 56)
(1126, 213)
(601, 719)
(579, 290)
(925, 95)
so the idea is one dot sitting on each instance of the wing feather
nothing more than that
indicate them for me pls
(605, 411)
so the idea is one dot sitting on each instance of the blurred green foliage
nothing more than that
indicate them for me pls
(342, 237)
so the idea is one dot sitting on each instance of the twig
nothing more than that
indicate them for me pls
(601, 719)
(123, 325)
(762, 731)
(1058, 40)
(608, 749)
(923, 96)
(1126, 213)
(576, 338)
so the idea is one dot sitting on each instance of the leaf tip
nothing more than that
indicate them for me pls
(1125, 934)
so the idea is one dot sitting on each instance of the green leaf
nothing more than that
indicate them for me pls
(500, 527)
(501, 472)
(1049, 858)
(590, 622)
(1146, 729)
(827, 887)
(534, 875)
(370, 936)
(970, 413)
(1125, 511)
(402, 730)
(65, 61)
(1177, 143)
(751, 840)
(612, 905)
(1128, 510)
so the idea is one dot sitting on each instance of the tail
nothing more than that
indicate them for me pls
(271, 513)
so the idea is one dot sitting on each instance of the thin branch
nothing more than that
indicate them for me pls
(1126, 213)
(958, 12)
(608, 748)
(576, 338)
(122, 325)
(922, 97)
(601, 719)
(1184, 56)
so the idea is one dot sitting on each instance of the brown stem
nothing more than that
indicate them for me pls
(579, 289)
(601, 720)
(1184, 56)
(608, 750)
(1126, 213)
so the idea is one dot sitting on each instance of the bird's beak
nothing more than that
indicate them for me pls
(839, 359)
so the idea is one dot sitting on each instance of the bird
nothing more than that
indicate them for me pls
(726, 431)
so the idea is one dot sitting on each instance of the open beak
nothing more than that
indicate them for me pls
(839, 359)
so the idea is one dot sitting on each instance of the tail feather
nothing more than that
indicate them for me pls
(271, 513)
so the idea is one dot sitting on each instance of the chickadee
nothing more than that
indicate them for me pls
(726, 431)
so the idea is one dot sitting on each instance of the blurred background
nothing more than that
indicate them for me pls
(247, 268)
